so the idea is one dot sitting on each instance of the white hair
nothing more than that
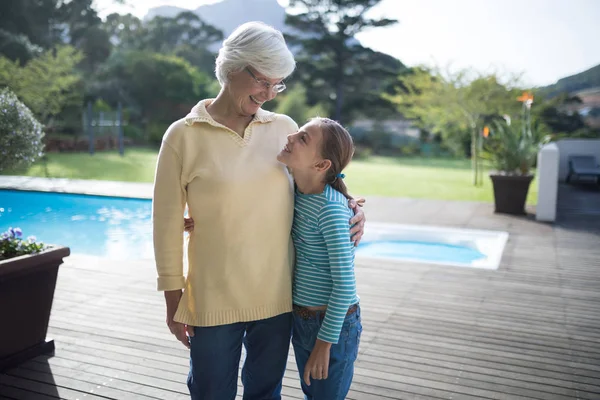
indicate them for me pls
(257, 45)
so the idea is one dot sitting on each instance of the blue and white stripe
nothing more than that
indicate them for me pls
(324, 273)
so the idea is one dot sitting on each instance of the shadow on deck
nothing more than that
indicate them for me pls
(529, 330)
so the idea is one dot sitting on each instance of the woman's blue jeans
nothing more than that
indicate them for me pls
(342, 356)
(215, 357)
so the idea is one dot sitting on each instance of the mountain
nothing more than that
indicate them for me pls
(163, 11)
(584, 80)
(229, 14)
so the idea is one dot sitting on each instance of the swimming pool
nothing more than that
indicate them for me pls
(113, 227)
(433, 244)
(121, 228)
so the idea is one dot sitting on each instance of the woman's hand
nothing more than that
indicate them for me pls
(188, 224)
(181, 331)
(358, 220)
(317, 366)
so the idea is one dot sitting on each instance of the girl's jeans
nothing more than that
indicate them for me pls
(342, 357)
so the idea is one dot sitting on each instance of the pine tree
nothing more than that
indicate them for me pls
(332, 65)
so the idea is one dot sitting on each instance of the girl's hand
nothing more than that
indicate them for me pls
(358, 220)
(188, 224)
(317, 366)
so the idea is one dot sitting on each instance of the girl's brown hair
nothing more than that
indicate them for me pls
(338, 147)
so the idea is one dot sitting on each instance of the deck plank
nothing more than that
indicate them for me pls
(529, 330)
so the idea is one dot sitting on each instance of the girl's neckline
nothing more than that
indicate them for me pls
(310, 194)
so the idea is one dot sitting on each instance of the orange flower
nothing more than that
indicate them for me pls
(525, 97)
(486, 131)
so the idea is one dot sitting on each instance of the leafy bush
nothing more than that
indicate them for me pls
(135, 133)
(46, 84)
(410, 149)
(156, 131)
(20, 133)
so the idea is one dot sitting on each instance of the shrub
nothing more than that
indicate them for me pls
(20, 133)
(156, 130)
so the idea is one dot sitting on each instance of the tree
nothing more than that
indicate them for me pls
(31, 26)
(96, 47)
(463, 100)
(135, 78)
(76, 18)
(185, 35)
(332, 65)
(553, 115)
(29, 22)
(200, 57)
(46, 84)
(124, 30)
(165, 34)
(17, 46)
(20, 133)
(293, 104)
(82, 29)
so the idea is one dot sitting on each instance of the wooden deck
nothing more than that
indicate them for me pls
(530, 330)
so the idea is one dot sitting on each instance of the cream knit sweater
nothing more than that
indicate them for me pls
(241, 198)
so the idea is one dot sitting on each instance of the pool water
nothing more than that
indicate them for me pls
(422, 251)
(121, 228)
(459, 247)
(114, 227)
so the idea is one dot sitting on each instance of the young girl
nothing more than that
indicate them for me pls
(327, 324)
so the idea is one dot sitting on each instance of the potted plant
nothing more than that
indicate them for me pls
(512, 151)
(28, 269)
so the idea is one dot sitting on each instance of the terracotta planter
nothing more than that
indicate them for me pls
(26, 291)
(510, 193)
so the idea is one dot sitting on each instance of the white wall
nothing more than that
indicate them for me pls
(547, 171)
(567, 147)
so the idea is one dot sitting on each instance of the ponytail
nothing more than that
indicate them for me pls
(338, 147)
(339, 185)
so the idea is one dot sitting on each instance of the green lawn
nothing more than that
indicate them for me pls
(445, 179)
(137, 165)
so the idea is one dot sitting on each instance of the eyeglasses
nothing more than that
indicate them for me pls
(278, 87)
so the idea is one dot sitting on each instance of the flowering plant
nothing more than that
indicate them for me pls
(12, 244)
(20, 134)
(511, 149)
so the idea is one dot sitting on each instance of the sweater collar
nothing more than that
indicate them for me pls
(200, 114)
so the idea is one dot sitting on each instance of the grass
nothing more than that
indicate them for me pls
(445, 179)
(137, 165)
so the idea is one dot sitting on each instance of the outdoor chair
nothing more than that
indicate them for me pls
(583, 166)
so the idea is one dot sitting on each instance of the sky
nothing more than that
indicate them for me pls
(543, 40)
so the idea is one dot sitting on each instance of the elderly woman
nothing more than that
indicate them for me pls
(221, 161)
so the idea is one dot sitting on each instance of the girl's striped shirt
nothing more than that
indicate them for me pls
(324, 272)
